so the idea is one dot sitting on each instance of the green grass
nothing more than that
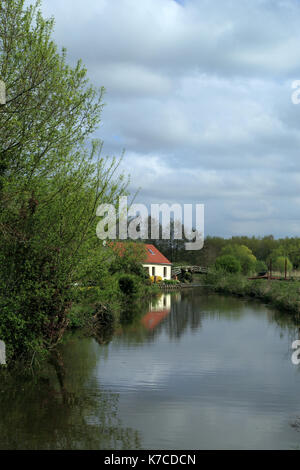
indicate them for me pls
(284, 295)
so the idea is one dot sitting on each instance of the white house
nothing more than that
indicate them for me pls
(156, 263)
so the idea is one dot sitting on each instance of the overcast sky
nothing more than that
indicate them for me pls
(198, 92)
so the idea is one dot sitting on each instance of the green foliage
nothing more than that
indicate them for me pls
(51, 181)
(228, 263)
(284, 295)
(80, 315)
(127, 258)
(187, 277)
(261, 247)
(280, 263)
(106, 292)
(260, 267)
(51, 107)
(244, 255)
(129, 285)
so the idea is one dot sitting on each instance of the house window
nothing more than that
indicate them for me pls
(153, 271)
(147, 271)
(165, 272)
(151, 251)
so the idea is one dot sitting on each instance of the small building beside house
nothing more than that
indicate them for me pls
(156, 263)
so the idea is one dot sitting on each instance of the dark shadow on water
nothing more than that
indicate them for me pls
(61, 408)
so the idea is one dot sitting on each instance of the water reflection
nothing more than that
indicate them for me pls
(159, 310)
(213, 372)
(2, 353)
(178, 312)
(189, 370)
(62, 407)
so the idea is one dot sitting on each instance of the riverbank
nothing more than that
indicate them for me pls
(280, 294)
(95, 308)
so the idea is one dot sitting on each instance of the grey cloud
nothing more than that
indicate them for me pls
(224, 37)
(199, 94)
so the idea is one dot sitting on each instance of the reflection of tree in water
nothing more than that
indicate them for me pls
(183, 316)
(286, 323)
(194, 305)
(104, 335)
(62, 410)
(131, 329)
(188, 310)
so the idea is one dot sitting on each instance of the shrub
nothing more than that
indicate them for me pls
(244, 255)
(279, 264)
(171, 282)
(228, 263)
(261, 267)
(188, 276)
(129, 285)
(128, 258)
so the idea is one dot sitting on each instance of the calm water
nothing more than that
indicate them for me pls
(191, 371)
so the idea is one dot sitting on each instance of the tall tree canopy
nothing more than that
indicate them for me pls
(52, 178)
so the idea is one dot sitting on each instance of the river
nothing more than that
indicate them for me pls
(190, 370)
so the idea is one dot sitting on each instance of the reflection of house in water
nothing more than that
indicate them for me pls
(2, 353)
(159, 310)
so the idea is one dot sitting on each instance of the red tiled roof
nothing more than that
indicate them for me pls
(154, 256)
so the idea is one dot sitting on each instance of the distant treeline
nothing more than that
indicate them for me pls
(263, 248)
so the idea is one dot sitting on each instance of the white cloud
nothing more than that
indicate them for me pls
(199, 94)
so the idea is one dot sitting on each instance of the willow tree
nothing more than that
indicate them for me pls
(52, 178)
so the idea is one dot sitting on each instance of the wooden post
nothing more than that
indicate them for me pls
(285, 268)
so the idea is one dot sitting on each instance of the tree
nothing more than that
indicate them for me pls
(51, 181)
(278, 252)
(127, 258)
(280, 263)
(261, 267)
(244, 255)
(228, 263)
(50, 106)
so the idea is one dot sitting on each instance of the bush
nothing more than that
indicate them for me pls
(171, 282)
(128, 258)
(279, 264)
(261, 267)
(228, 263)
(188, 277)
(79, 315)
(244, 255)
(129, 285)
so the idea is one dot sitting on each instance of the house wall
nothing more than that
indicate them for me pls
(159, 270)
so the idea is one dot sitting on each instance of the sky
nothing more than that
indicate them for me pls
(198, 93)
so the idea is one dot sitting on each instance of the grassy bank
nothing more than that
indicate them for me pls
(284, 295)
